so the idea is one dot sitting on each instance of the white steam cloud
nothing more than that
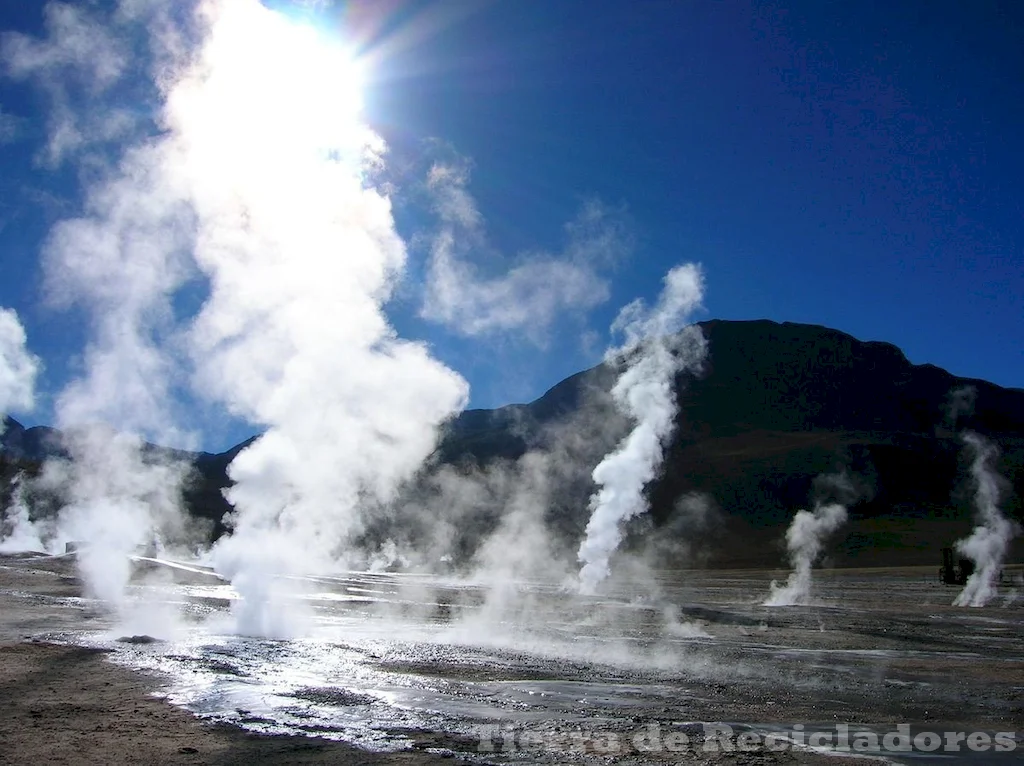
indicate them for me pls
(18, 370)
(120, 499)
(301, 254)
(10, 127)
(656, 351)
(805, 541)
(18, 533)
(989, 542)
(120, 263)
(259, 176)
(18, 367)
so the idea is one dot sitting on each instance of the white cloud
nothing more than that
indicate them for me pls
(78, 52)
(10, 127)
(531, 295)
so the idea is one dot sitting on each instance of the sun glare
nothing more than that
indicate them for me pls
(281, 80)
(274, 103)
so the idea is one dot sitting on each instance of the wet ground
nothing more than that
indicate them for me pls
(651, 672)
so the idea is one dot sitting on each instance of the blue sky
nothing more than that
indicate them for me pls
(854, 165)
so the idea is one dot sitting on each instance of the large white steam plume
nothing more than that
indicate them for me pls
(119, 262)
(989, 542)
(656, 350)
(805, 540)
(301, 252)
(258, 175)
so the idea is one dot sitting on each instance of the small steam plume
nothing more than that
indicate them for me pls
(120, 497)
(810, 530)
(18, 370)
(805, 540)
(988, 543)
(18, 533)
(522, 548)
(657, 351)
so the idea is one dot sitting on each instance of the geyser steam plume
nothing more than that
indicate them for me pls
(301, 252)
(260, 174)
(805, 540)
(656, 350)
(18, 369)
(119, 261)
(17, 532)
(990, 540)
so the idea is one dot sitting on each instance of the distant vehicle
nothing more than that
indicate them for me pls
(954, 573)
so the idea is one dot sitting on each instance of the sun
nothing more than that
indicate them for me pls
(279, 81)
(267, 137)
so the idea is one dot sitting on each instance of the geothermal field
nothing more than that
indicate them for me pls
(383, 571)
(531, 673)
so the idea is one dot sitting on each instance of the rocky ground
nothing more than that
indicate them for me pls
(899, 659)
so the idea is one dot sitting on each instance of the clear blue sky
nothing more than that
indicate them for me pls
(855, 165)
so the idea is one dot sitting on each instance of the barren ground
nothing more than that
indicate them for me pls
(882, 659)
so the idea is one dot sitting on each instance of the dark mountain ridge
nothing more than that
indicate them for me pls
(775, 406)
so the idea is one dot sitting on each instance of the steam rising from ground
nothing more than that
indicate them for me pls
(989, 542)
(301, 254)
(805, 540)
(120, 499)
(119, 263)
(810, 530)
(258, 178)
(656, 352)
(18, 534)
(18, 370)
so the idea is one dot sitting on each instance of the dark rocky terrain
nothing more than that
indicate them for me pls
(775, 407)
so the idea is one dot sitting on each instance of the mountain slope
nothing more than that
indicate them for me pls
(775, 406)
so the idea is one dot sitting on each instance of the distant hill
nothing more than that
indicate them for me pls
(31, 444)
(775, 406)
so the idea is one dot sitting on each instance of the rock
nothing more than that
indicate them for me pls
(143, 639)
